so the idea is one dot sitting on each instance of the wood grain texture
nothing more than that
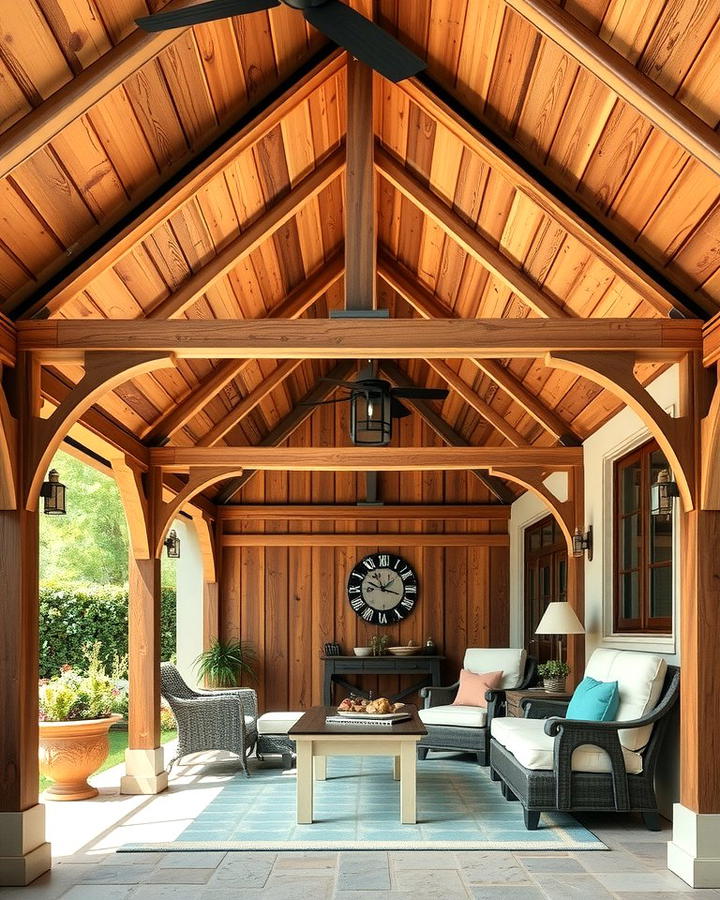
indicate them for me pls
(317, 512)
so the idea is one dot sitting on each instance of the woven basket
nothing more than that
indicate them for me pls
(554, 685)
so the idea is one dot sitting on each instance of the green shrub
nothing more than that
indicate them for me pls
(75, 615)
(71, 695)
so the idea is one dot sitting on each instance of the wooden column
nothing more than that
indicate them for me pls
(694, 853)
(576, 577)
(24, 853)
(144, 758)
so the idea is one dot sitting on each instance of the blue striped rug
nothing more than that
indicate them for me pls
(358, 807)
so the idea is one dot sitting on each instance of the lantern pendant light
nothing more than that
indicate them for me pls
(53, 494)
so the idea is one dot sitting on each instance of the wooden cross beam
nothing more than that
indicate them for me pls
(650, 339)
(364, 459)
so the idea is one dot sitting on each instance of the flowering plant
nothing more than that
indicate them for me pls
(72, 696)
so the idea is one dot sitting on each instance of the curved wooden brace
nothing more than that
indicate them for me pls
(8, 446)
(135, 504)
(710, 475)
(206, 538)
(104, 371)
(615, 372)
(532, 479)
(200, 478)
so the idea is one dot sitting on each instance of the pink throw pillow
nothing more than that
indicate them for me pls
(472, 687)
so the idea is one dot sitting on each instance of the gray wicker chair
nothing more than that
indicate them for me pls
(440, 718)
(563, 789)
(211, 720)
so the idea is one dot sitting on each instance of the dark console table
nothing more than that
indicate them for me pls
(339, 668)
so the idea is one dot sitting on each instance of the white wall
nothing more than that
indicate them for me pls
(189, 574)
(619, 436)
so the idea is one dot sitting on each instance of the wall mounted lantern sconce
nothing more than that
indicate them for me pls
(583, 543)
(662, 494)
(172, 544)
(53, 494)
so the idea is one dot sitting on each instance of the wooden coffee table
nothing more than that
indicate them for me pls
(315, 741)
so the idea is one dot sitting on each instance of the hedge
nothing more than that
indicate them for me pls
(75, 615)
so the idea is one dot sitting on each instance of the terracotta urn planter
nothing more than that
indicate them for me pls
(70, 752)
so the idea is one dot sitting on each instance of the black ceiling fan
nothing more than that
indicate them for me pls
(375, 404)
(362, 38)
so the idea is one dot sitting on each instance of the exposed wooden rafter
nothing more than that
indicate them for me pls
(289, 424)
(294, 305)
(430, 307)
(178, 187)
(573, 212)
(471, 241)
(445, 431)
(357, 539)
(650, 339)
(363, 459)
(622, 77)
(316, 512)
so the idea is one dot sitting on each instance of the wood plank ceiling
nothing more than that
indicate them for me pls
(142, 137)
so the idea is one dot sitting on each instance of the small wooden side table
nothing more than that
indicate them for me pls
(514, 698)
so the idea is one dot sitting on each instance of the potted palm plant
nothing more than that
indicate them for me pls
(76, 712)
(554, 673)
(225, 663)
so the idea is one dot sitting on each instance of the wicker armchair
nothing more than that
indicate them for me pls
(464, 728)
(583, 784)
(211, 720)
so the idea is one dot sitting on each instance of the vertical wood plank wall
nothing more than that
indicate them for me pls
(289, 601)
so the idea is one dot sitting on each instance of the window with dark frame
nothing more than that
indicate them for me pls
(643, 544)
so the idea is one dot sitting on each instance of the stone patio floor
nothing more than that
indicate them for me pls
(86, 835)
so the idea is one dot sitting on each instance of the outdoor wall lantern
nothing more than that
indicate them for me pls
(53, 494)
(371, 418)
(172, 544)
(583, 543)
(662, 494)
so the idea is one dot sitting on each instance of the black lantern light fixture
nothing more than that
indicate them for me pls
(172, 544)
(53, 494)
(583, 543)
(371, 414)
(662, 494)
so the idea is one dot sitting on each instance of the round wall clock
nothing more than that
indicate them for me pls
(382, 589)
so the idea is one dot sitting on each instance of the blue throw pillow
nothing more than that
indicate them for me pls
(594, 701)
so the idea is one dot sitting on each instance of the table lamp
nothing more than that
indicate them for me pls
(559, 618)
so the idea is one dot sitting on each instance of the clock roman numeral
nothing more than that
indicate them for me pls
(357, 604)
(353, 589)
(411, 589)
(383, 560)
(382, 619)
(369, 564)
(406, 603)
(405, 574)
(367, 614)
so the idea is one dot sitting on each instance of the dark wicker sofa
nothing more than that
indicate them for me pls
(441, 718)
(562, 788)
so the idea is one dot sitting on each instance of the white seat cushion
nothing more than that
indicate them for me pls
(250, 723)
(464, 716)
(277, 722)
(533, 749)
(510, 661)
(640, 678)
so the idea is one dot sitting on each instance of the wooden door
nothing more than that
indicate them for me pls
(545, 582)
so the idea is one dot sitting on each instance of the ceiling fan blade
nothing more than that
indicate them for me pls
(325, 402)
(203, 12)
(419, 393)
(350, 385)
(398, 410)
(365, 40)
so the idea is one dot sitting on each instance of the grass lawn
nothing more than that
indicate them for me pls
(118, 746)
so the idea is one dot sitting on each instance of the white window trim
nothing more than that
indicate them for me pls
(610, 638)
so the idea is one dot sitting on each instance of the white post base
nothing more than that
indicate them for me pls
(694, 852)
(145, 772)
(24, 852)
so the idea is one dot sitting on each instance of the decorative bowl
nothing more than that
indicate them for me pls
(403, 651)
(361, 651)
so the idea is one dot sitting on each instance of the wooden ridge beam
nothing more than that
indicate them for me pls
(451, 378)
(294, 305)
(8, 341)
(303, 512)
(711, 341)
(573, 212)
(622, 77)
(250, 239)
(431, 307)
(249, 402)
(471, 241)
(290, 424)
(650, 339)
(445, 431)
(178, 185)
(356, 539)
(362, 459)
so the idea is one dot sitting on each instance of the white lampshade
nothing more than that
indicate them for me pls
(560, 618)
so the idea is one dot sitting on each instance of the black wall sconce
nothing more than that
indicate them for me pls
(662, 494)
(172, 544)
(53, 494)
